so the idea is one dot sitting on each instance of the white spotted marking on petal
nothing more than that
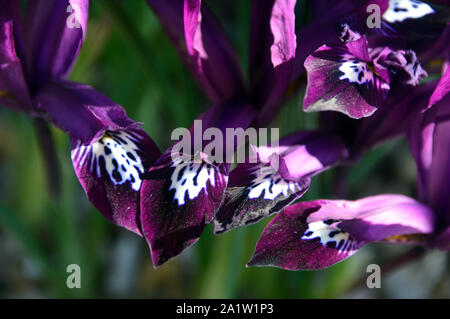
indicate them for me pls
(119, 154)
(272, 185)
(327, 234)
(400, 10)
(356, 72)
(190, 178)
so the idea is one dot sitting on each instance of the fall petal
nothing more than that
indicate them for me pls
(318, 234)
(178, 200)
(344, 79)
(110, 171)
(289, 242)
(272, 52)
(254, 193)
(276, 177)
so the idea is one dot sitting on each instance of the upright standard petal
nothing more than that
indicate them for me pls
(110, 152)
(272, 52)
(203, 45)
(429, 138)
(13, 86)
(318, 234)
(181, 193)
(344, 78)
(53, 34)
(275, 177)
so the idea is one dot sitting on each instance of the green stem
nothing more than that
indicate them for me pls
(47, 146)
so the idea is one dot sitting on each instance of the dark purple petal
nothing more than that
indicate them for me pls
(202, 44)
(13, 87)
(53, 34)
(272, 51)
(344, 79)
(310, 153)
(289, 242)
(318, 234)
(178, 200)
(279, 176)
(391, 120)
(110, 171)
(80, 111)
(254, 194)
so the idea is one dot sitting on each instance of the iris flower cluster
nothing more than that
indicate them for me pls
(369, 82)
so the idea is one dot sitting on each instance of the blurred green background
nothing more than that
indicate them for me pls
(128, 57)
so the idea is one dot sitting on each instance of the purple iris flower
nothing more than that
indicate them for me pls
(318, 234)
(110, 152)
(354, 79)
(182, 191)
(407, 96)
(346, 78)
(180, 199)
(277, 176)
(208, 54)
(354, 76)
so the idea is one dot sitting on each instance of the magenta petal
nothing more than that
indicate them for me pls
(110, 171)
(289, 242)
(272, 52)
(377, 218)
(344, 79)
(442, 240)
(110, 151)
(322, 29)
(80, 111)
(442, 88)
(309, 153)
(278, 177)
(394, 117)
(318, 234)
(202, 44)
(53, 35)
(429, 138)
(178, 200)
